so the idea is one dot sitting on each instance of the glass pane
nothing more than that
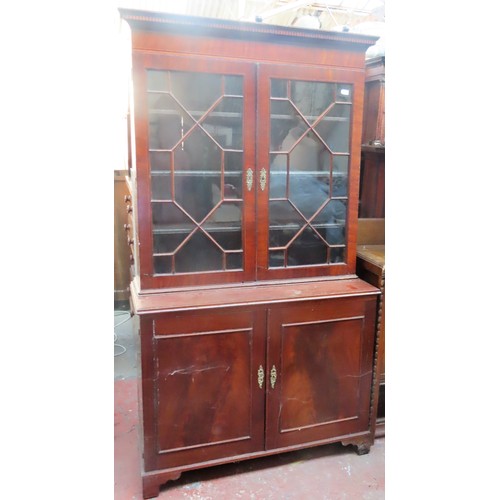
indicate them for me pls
(233, 166)
(168, 217)
(341, 164)
(224, 225)
(334, 128)
(196, 160)
(309, 159)
(306, 155)
(233, 85)
(168, 241)
(279, 175)
(197, 172)
(224, 123)
(307, 249)
(162, 264)
(338, 209)
(330, 222)
(308, 194)
(234, 261)
(196, 91)
(337, 255)
(168, 123)
(198, 254)
(339, 185)
(157, 80)
(334, 234)
(276, 258)
(286, 126)
(233, 163)
(278, 88)
(284, 223)
(161, 188)
(312, 98)
(159, 161)
(343, 93)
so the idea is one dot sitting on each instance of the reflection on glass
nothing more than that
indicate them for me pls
(224, 224)
(307, 249)
(157, 80)
(161, 188)
(334, 128)
(309, 157)
(278, 88)
(196, 161)
(196, 92)
(312, 98)
(276, 258)
(199, 254)
(233, 85)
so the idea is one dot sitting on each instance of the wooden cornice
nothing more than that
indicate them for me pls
(204, 26)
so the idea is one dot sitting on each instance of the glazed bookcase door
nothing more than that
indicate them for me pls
(195, 149)
(320, 353)
(307, 167)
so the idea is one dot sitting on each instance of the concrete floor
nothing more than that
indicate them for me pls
(332, 472)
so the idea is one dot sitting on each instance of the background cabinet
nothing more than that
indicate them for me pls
(372, 184)
(256, 335)
(371, 267)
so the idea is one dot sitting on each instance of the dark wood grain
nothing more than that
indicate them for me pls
(148, 302)
(208, 402)
(322, 351)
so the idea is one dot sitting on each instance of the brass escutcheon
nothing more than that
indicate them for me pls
(249, 179)
(263, 179)
(274, 376)
(260, 376)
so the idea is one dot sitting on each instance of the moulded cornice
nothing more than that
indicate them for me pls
(142, 19)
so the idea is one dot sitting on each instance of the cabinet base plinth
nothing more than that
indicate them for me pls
(362, 445)
(151, 482)
(363, 449)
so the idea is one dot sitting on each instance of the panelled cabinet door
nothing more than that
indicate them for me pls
(207, 393)
(307, 146)
(320, 364)
(195, 129)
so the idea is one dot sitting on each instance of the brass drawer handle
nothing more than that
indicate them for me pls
(274, 376)
(249, 179)
(260, 376)
(263, 179)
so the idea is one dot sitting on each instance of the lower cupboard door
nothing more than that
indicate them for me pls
(319, 371)
(207, 400)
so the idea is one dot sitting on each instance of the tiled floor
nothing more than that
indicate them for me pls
(328, 472)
